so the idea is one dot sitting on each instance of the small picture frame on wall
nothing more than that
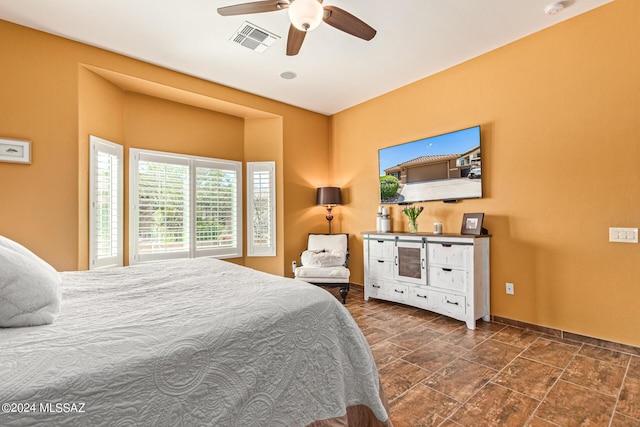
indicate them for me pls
(472, 224)
(15, 151)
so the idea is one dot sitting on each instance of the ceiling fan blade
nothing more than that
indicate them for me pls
(255, 7)
(294, 40)
(344, 21)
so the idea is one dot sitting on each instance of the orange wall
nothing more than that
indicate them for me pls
(50, 96)
(259, 149)
(560, 116)
(305, 168)
(100, 113)
(155, 124)
(38, 202)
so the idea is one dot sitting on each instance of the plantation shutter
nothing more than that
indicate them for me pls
(261, 211)
(105, 204)
(184, 206)
(218, 220)
(161, 204)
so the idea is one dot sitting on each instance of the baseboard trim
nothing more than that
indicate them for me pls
(569, 336)
(558, 333)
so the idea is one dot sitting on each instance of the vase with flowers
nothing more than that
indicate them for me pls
(413, 212)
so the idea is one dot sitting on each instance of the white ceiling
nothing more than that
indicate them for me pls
(415, 39)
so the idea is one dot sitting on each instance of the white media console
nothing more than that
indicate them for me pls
(444, 273)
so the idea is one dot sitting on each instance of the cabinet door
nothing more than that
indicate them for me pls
(410, 263)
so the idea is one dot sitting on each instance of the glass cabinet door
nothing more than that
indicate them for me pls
(410, 262)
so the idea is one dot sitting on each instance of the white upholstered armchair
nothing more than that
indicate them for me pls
(325, 262)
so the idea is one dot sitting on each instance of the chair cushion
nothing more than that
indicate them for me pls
(324, 242)
(323, 274)
(330, 258)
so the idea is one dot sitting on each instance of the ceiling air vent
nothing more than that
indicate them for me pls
(253, 37)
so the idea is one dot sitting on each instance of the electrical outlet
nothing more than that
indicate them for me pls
(509, 289)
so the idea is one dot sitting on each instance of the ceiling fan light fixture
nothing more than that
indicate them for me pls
(305, 15)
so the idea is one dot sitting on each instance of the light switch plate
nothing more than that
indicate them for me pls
(624, 235)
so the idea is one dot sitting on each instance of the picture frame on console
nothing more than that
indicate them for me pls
(472, 224)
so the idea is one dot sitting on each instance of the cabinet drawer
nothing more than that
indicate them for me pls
(454, 304)
(381, 268)
(399, 292)
(448, 278)
(380, 248)
(377, 288)
(450, 255)
(419, 297)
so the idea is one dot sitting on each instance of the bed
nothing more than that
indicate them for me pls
(198, 342)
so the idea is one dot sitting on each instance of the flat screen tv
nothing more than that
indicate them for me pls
(445, 167)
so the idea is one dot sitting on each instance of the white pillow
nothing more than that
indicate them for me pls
(29, 287)
(17, 247)
(332, 258)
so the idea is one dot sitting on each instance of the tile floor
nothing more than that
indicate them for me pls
(436, 372)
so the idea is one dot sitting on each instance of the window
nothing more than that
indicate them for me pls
(261, 208)
(184, 206)
(105, 204)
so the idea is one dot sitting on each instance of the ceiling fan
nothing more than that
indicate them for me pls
(305, 16)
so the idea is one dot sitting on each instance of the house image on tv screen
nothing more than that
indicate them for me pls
(438, 176)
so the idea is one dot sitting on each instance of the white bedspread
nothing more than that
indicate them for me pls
(196, 342)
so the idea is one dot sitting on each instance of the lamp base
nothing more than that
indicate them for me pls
(329, 217)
